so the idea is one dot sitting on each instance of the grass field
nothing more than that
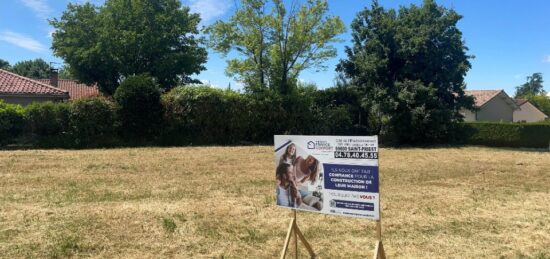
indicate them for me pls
(219, 203)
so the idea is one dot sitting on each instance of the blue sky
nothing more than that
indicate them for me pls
(510, 39)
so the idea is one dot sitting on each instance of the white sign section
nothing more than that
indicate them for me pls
(335, 175)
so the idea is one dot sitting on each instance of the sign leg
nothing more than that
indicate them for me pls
(379, 252)
(295, 236)
(287, 239)
(294, 229)
(304, 241)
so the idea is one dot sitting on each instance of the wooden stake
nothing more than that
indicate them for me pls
(295, 236)
(379, 252)
(379, 230)
(287, 239)
(293, 228)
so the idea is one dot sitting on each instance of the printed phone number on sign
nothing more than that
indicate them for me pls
(356, 155)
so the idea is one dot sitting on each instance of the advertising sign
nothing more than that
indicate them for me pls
(335, 175)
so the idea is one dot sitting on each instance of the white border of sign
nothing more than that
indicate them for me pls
(349, 188)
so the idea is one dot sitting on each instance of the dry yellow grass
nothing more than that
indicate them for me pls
(219, 202)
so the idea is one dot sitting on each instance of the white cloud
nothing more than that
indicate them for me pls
(50, 33)
(95, 2)
(209, 9)
(40, 7)
(22, 41)
(546, 59)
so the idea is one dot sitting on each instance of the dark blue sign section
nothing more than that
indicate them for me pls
(353, 205)
(357, 178)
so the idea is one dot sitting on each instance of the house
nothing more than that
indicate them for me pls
(528, 112)
(18, 89)
(491, 105)
(76, 89)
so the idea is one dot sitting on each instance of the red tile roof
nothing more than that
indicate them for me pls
(76, 89)
(13, 84)
(482, 96)
(520, 102)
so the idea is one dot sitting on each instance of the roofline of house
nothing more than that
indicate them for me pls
(35, 81)
(528, 102)
(514, 104)
(27, 95)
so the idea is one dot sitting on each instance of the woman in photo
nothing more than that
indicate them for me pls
(289, 156)
(287, 193)
(306, 172)
(306, 169)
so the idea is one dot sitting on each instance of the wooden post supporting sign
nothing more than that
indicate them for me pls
(294, 229)
(379, 252)
(379, 248)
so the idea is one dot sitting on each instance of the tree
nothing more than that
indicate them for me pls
(275, 43)
(533, 86)
(128, 37)
(4, 64)
(410, 65)
(140, 110)
(37, 69)
(65, 73)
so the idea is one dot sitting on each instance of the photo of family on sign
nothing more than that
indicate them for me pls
(297, 178)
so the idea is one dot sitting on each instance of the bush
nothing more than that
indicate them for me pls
(48, 123)
(139, 108)
(266, 117)
(92, 123)
(11, 122)
(531, 135)
(342, 112)
(204, 115)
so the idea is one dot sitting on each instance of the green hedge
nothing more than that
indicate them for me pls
(92, 123)
(12, 122)
(204, 115)
(530, 135)
(139, 109)
(85, 123)
(48, 124)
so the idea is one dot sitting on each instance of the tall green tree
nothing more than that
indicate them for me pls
(410, 65)
(4, 64)
(65, 73)
(533, 86)
(37, 68)
(108, 43)
(276, 43)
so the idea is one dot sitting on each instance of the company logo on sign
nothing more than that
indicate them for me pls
(320, 145)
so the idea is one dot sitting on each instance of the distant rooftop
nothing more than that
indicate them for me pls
(14, 84)
(481, 97)
(76, 89)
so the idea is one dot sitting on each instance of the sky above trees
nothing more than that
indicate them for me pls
(509, 39)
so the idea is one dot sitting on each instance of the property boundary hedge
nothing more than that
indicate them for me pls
(529, 135)
(201, 115)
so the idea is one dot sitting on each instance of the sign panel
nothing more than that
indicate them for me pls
(335, 175)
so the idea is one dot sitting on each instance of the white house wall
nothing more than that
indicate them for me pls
(468, 115)
(528, 113)
(496, 110)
